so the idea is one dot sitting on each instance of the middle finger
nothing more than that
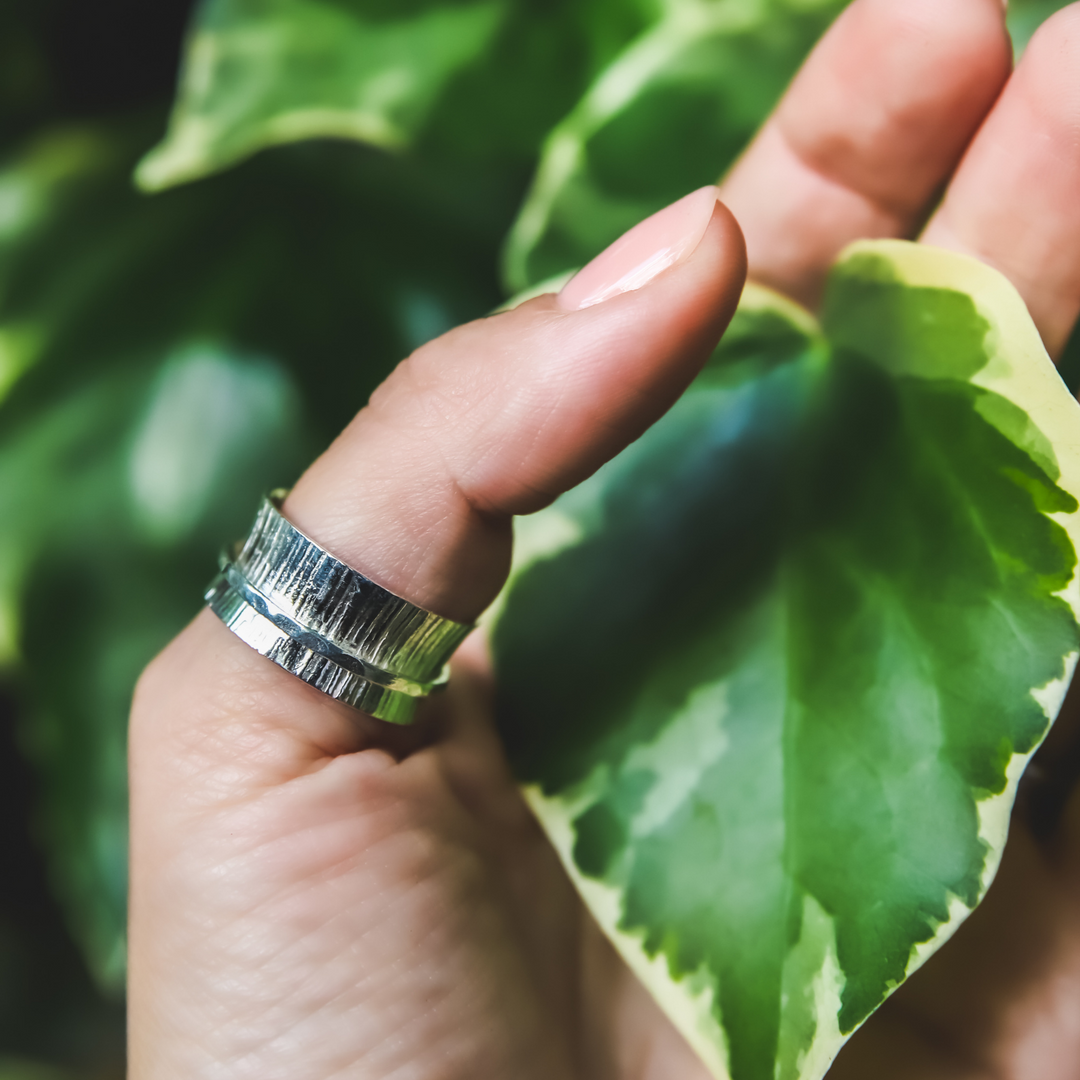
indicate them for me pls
(867, 134)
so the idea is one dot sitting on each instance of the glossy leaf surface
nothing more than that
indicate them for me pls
(771, 676)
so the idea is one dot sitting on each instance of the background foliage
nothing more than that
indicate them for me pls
(340, 181)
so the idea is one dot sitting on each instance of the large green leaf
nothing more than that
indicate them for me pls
(669, 114)
(488, 77)
(163, 361)
(263, 72)
(770, 677)
(544, 58)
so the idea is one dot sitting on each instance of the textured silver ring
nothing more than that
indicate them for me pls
(328, 624)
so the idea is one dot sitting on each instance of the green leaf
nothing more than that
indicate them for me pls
(258, 74)
(26, 82)
(1069, 361)
(771, 676)
(21, 1069)
(165, 361)
(668, 115)
(543, 59)
(484, 80)
(1024, 17)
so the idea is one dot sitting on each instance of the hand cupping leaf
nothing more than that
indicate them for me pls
(766, 544)
(819, 618)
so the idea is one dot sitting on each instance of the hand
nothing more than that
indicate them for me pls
(315, 894)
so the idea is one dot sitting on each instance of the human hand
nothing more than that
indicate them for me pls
(315, 894)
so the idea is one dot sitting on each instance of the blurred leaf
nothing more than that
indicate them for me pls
(263, 72)
(26, 81)
(297, 69)
(1024, 17)
(106, 572)
(49, 1008)
(545, 56)
(822, 613)
(22, 1069)
(167, 360)
(671, 113)
(668, 115)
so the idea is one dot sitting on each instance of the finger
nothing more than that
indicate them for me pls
(1015, 200)
(867, 134)
(495, 418)
(293, 902)
(498, 417)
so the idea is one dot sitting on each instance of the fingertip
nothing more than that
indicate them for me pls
(726, 234)
(660, 241)
(612, 368)
(661, 331)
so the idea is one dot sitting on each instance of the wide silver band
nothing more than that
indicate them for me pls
(328, 624)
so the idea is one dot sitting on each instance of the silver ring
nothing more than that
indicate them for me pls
(289, 599)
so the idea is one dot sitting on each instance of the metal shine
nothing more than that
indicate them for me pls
(328, 624)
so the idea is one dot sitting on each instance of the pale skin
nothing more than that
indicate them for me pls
(317, 895)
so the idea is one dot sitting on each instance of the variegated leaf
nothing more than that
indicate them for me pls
(771, 676)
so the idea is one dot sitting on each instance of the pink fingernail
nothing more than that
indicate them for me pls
(639, 255)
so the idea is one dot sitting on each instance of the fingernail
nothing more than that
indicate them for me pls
(639, 255)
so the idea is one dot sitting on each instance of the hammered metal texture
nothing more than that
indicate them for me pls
(341, 604)
(328, 624)
(316, 642)
(317, 670)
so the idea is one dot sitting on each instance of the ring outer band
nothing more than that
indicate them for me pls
(296, 604)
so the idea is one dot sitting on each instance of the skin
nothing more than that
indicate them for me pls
(317, 895)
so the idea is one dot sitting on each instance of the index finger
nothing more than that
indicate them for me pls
(867, 133)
